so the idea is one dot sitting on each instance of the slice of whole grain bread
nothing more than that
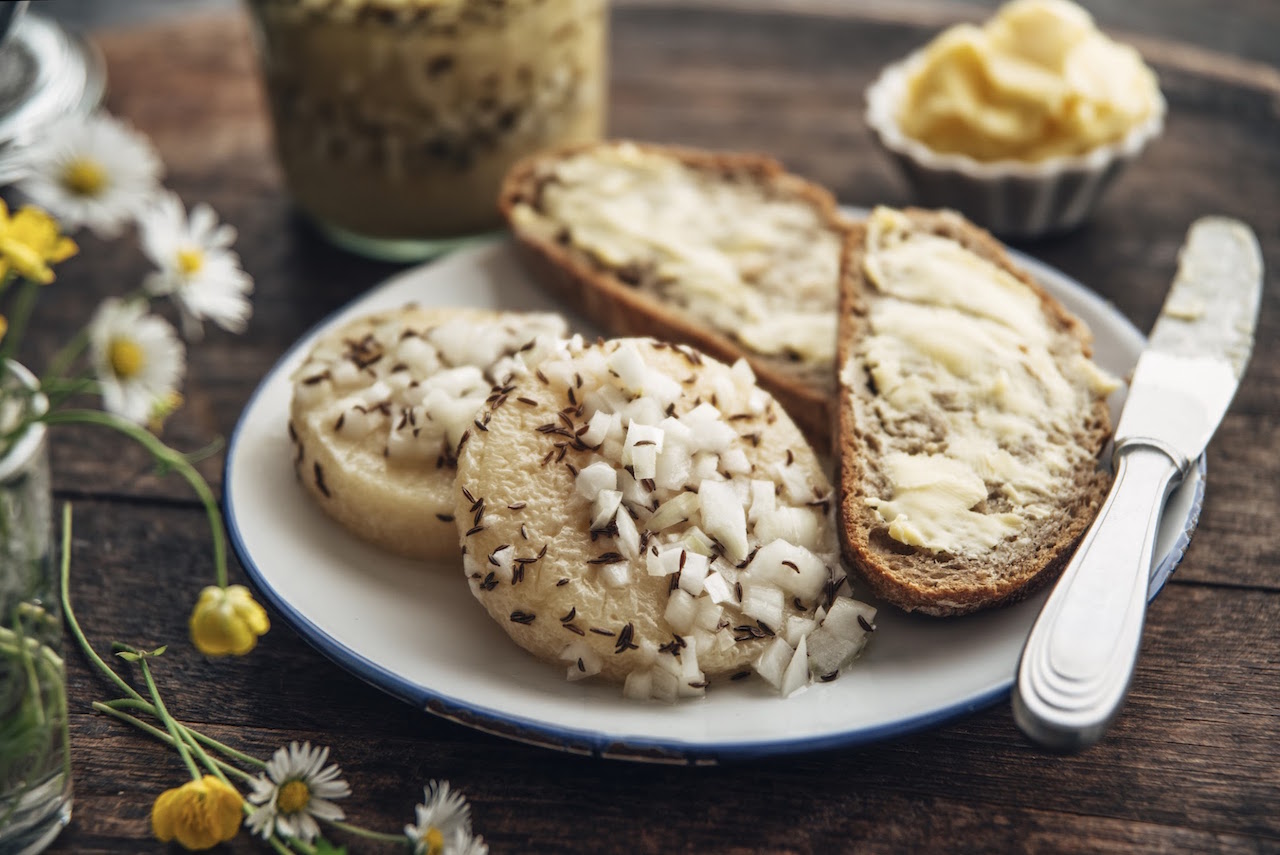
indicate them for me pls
(627, 300)
(953, 582)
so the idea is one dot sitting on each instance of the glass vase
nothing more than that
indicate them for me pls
(35, 773)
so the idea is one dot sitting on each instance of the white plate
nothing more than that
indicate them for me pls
(415, 631)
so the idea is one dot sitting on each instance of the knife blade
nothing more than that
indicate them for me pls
(1079, 657)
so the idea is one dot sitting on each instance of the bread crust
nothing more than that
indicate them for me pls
(624, 310)
(886, 565)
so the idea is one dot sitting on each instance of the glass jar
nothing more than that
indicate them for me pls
(35, 774)
(395, 120)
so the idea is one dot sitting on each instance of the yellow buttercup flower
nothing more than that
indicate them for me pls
(29, 242)
(227, 621)
(199, 814)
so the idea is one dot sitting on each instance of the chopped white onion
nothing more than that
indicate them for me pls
(764, 603)
(676, 510)
(639, 685)
(690, 674)
(344, 374)
(792, 568)
(595, 478)
(681, 612)
(718, 588)
(643, 411)
(628, 535)
(598, 427)
(674, 467)
(584, 662)
(616, 575)
(842, 618)
(734, 462)
(629, 367)
(605, 508)
(763, 500)
(500, 562)
(828, 652)
(709, 615)
(694, 573)
(723, 518)
(798, 627)
(774, 661)
(800, 526)
(665, 685)
(797, 674)
(696, 540)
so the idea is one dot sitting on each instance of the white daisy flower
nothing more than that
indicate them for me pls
(296, 790)
(91, 171)
(464, 843)
(196, 266)
(442, 817)
(137, 357)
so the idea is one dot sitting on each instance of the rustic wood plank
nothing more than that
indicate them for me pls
(1191, 763)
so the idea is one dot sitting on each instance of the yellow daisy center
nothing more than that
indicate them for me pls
(434, 839)
(294, 797)
(126, 358)
(190, 261)
(84, 177)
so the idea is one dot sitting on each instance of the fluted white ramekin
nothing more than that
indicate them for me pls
(1013, 198)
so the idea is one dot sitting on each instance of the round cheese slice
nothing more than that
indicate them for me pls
(639, 511)
(380, 405)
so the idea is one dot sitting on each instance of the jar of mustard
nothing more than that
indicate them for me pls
(395, 120)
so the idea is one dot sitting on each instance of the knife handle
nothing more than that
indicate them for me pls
(1079, 657)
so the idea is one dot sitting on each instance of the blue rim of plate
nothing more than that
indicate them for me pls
(587, 742)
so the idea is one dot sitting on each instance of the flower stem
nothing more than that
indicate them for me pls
(63, 359)
(227, 750)
(58, 390)
(23, 304)
(366, 833)
(70, 616)
(167, 456)
(114, 711)
(169, 724)
(278, 846)
(144, 706)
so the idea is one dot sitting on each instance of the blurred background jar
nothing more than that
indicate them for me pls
(395, 120)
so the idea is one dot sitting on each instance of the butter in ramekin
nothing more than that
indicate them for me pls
(1038, 80)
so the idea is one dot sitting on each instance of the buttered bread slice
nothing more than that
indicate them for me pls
(971, 417)
(727, 252)
(381, 404)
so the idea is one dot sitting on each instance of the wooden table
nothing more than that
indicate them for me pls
(1193, 763)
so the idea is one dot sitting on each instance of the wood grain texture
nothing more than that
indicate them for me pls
(1191, 765)
(1186, 767)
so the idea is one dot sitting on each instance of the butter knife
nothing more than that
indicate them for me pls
(1079, 658)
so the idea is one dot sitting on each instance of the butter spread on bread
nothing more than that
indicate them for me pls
(726, 252)
(974, 412)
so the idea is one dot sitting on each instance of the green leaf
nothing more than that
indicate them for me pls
(128, 654)
(324, 847)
